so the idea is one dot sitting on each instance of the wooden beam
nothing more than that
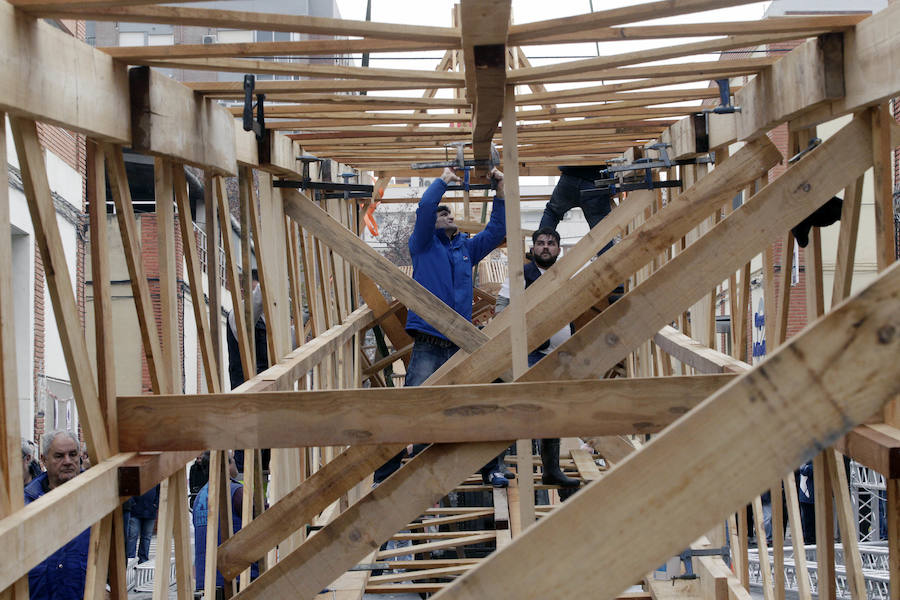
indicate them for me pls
(382, 271)
(795, 24)
(168, 120)
(59, 284)
(531, 74)
(691, 352)
(204, 17)
(722, 435)
(90, 91)
(877, 446)
(815, 71)
(228, 89)
(484, 29)
(867, 81)
(522, 34)
(243, 65)
(253, 49)
(479, 412)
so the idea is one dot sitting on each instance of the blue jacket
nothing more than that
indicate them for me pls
(444, 266)
(146, 506)
(61, 576)
(201, 512)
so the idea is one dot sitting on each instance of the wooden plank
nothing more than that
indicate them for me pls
(816, 72)
(242, 65)
(43, 57)
(204, 17)
(299, 506)
(877, 446)
(364, 525)
(59, 284)
(212, 272)
(403, 287)
(169, 120)
(221, 89)
(252, 49)
(11, 488)
(847, 523)
(484, 29)
(195, 280)
(870, 75)
(883, 155)
(586, 466)
(458, 413)
(539, 74)
(691, 352)
(575, 295)
(722, 434)
(466, 540)
(798, 24)
(526, 32)
(765, 216)
(118, 183)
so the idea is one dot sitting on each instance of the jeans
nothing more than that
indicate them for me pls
(567, 195)
(427, 357)
(144, 528)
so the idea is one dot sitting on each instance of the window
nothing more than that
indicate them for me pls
(131, 38)
(165, 39)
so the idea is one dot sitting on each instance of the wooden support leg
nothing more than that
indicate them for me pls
(893, 524)
(765, 567)
(11, 488)
(804, 590)
(824, 529)
(847, 523)
(777, 542)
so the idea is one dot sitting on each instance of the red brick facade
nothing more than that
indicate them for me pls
(150, 251)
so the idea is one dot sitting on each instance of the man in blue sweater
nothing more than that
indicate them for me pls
(61, 575)
(443, 259)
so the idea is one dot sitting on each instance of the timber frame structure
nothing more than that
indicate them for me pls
(727, 430)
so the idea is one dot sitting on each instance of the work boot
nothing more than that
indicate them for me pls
(552, 474)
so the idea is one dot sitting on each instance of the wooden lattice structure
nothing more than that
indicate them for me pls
(724, 438)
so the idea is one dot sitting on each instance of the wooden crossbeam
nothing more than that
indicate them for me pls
(228, 89)
(461, 413)
(484, 29)
(62, 63)
(241, 65)
(722, 435)
(641, 56)
(167, 120)
(204, 17)
(253, 49)
(59, 284)
(522, 34)
(791, 24)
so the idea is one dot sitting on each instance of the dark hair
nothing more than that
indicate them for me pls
(254, 275)
(443, 208)
(545, 231)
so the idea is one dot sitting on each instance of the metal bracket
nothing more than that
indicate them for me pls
(813, 144)
(259, 126)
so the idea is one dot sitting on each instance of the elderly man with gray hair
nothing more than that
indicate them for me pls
(61, 576)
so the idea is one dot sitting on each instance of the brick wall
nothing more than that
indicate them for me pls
(150, 257)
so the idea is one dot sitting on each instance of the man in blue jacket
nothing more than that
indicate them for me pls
(61, 576)
(443, 259)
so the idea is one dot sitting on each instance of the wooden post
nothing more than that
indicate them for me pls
(516, 252)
